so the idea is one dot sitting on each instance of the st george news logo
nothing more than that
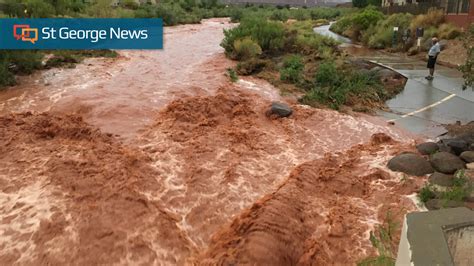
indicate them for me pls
(25, 33)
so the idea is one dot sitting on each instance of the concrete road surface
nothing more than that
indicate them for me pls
(424, 105)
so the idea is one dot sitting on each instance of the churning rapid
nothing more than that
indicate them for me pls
(157, 158)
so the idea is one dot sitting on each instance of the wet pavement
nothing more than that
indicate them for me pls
(423, 106)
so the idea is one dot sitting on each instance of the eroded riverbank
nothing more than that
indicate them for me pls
(164, 161)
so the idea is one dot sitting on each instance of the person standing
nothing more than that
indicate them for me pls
(432, 55)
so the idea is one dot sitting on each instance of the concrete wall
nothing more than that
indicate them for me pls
(462, 20)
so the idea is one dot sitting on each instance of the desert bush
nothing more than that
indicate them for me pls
(380, 35)
(342, 24)
(433, 18)
(236, 14)
(325, 13)
(448, 31)
(336, 86)
(42, 8)
(100, 9)
(145, 11)
(246, 48)
(25, 61)
(131, 4)
(292, 69)
(280, 14)
(6, 76)
(269, 35)
(300, 14)
(17, 62)
(303, 39)
(368, 17)
(124, 13)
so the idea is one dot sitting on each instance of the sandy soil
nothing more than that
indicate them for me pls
(454, 54)
(156, 158)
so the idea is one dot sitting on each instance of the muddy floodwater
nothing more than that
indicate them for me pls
(157, 158)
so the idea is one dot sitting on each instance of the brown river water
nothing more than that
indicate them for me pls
(157, 158)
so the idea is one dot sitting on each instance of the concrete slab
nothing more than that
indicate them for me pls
(440, 237)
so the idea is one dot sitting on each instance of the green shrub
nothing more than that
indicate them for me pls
(236, 14)
(342, 24)
(280, 14)
(380, 35)
(325, 13)
(300, 14)
(335, 87)
(100, 9)
(382, 239)
(17, 62)
(305, 41)
(25, 61)
(232, 75)
(292, 69)
(246, 48)
(328, 75)
(269, 35)
(131, 4)
(6, 76)
(426, 193)
(368, 17)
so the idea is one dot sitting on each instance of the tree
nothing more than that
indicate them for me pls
(468, 68)
(365, 3)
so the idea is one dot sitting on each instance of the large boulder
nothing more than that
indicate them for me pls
(436, 204)
(281, 109)
(427, 148)
(458, 146)
(468, 156)
(446, 162)
(442, 180)
(410, 163)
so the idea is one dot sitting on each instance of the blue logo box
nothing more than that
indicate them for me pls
(90, 33)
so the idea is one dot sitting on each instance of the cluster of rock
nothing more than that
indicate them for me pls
(443, 161)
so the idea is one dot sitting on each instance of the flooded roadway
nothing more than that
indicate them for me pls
(157, 158)
(423, 106)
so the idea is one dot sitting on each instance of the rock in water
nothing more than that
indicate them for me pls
(427, 148)
(410, 163)
(446, 162)
(441, 180)
(281, 109)
(468, 156)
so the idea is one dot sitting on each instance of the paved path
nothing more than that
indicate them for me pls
(424, 105)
